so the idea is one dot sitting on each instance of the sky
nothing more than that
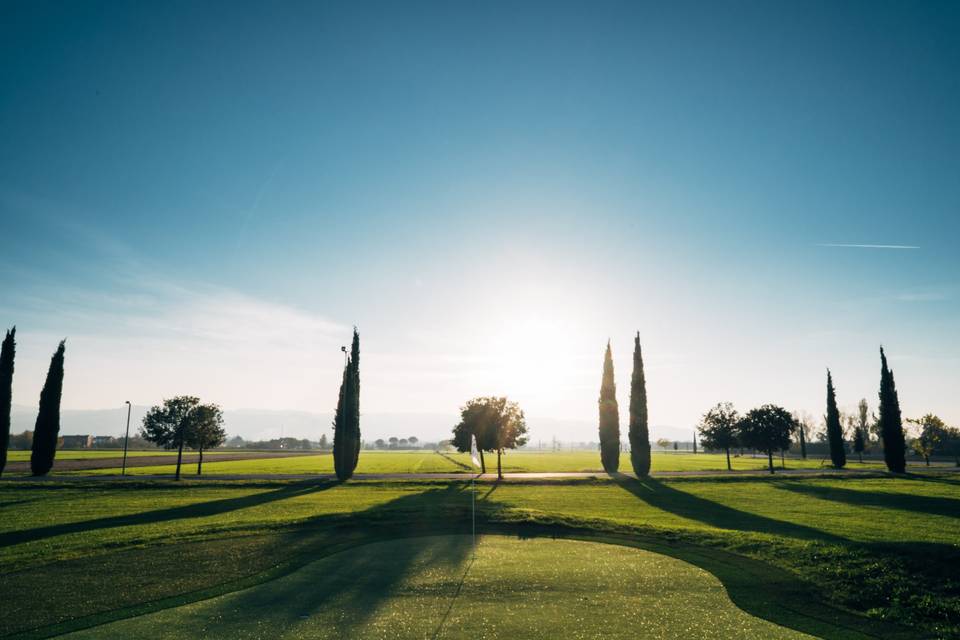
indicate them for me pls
(205, 198)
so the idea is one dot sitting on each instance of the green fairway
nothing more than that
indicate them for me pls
(431, 587)
(513, 462)
(88, 454)
(879, 545)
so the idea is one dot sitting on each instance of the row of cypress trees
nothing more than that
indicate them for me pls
(639, 433)
(891, 423)
(346, 421)
(47, 428)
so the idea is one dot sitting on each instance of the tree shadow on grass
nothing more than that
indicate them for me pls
(932, 505)
(714, 514)
(346, 588)
(196, 510)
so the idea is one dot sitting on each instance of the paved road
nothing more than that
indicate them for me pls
(515, 477)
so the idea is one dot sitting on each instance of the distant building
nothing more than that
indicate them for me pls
(77, 442)
(105, 442)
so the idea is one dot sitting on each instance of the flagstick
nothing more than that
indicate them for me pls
(473, 513)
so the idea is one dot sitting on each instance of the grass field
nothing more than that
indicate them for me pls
(861, 553)
(515, 461)
(434, 587)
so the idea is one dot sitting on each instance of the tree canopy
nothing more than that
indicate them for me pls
(718, 429)
(496, 422)
(768, 429)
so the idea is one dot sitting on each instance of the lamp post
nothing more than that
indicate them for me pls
(126, 437)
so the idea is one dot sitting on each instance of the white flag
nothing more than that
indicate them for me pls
(474, 454)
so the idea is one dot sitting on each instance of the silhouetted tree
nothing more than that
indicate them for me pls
(858, 442)
(7, 353)
(206, 431)
(933, 433)
(343, 441)
(324, 444)
(718, 429)
(609, 417)
(169, 425)
(766, 429)
(639, 432)
(834, 429)
(353, 406)
(891, 422)
(47, 427)
(497, 423)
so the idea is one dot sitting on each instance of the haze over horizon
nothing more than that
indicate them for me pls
(489, 193)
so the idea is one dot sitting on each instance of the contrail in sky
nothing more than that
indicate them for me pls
(870, 246)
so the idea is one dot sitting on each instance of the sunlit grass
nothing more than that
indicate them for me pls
(434, 587)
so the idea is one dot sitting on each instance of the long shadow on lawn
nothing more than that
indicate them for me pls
(687, 505)
(197, 510)
(348, 589)
(932, 505)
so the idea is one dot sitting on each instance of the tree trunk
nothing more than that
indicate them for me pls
(179, 458)
(499, 468)
(861, 457)
(200, 461)
(927, 458)
(729, 468)
(770, 459)
(783, 464)
(483, 463)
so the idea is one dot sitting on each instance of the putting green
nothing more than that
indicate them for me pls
(433, 587)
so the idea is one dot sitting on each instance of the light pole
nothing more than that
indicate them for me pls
(126, 437)
(344, 349)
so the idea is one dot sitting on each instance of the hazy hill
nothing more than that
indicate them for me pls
(262, 424)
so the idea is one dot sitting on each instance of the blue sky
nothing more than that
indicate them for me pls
(204, 197)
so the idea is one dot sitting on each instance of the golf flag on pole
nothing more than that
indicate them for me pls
(474, 454)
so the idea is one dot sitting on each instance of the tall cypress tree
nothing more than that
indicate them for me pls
(891, 422)
(609, 417)
(834, 431)
(6, 392)
(342, 449)
(639, 430)
(47, 428)
(353, 417)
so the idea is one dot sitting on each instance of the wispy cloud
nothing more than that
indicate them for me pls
(867, 246)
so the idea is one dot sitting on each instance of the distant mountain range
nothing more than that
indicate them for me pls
(263, 424)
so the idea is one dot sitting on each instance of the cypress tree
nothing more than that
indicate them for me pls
(609, 417)
(353, 417)
(891, 422)
(834, 431)
(639, 431)
(7, 353)
(342, 449)
(47, 428)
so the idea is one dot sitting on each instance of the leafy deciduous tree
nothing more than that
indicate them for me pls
(766, 429)
(169, 425)
(718, 429)
(497, 423)
(206, 430)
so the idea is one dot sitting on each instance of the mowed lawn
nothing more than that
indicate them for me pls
(444, 587)
(887, 546)
(513, 462)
